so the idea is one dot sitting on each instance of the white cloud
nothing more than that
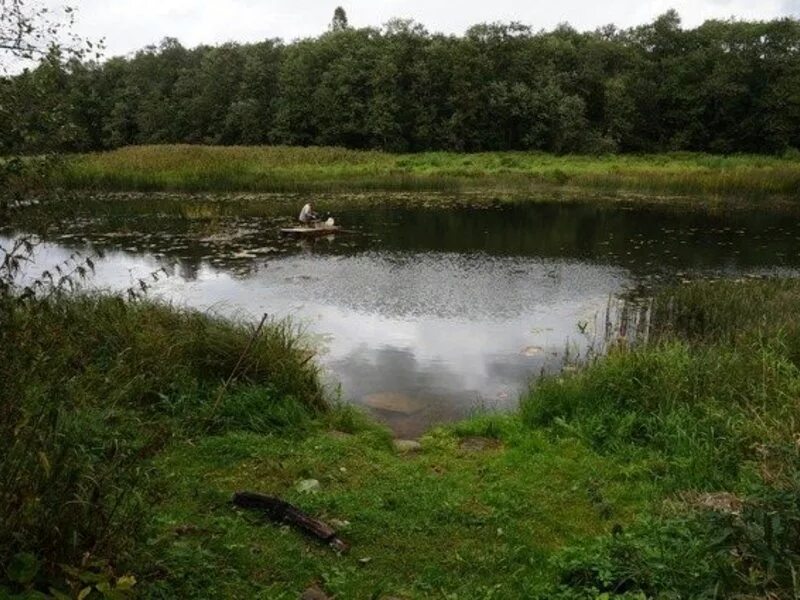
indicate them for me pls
(791, 7)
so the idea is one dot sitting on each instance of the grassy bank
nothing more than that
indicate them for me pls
(289, 169)
(93, 389)
(668, 471)
(713, 402)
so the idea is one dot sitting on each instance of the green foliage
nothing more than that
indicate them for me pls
(93, 389)
(753, 552)
(261, 409)
(693, 406)
(648, 561)
(712, 403)
(22, 568)
(723, 87)
(35, 106)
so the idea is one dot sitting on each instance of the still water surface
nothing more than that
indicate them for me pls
(423, 314)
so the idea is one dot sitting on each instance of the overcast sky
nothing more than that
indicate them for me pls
(128, 25)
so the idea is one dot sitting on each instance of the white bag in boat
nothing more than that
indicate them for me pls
(329, 222)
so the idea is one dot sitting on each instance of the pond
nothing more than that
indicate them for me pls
(428, 310)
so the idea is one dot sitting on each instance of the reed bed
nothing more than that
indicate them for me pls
(296, 169)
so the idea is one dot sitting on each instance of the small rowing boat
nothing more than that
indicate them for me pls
(310, 231)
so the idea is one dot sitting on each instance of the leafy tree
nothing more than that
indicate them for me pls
(251, 117)
(397, 92)
(339, 21)
(726, 86)
(34, 109)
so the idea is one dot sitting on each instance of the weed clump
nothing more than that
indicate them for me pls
(711, 401)
(93, 388)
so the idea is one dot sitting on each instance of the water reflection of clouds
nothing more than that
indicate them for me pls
(444, 285)
(448, 330)
(439, 303)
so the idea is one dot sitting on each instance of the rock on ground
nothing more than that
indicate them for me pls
(405, 446)
(314, 593)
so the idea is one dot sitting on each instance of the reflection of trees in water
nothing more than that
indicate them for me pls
(187, 269)
(438, 389)
(368, 369)
(641, 240)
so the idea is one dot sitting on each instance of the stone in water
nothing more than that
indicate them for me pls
(405, 446)
(394, 402)
(532, 350)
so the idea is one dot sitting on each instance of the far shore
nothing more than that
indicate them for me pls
(323, 169)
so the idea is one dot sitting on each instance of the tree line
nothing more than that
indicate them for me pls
(725, 86)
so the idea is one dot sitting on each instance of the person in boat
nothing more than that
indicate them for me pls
(307, 215)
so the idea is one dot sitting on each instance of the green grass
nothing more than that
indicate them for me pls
(445, 523)
(713, 401)
(290, 169)
(94, 387)
(603, 484)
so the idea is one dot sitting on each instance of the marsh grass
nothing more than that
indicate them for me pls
(323, 169)
(114, 440)
(712, 401)
(93, 388)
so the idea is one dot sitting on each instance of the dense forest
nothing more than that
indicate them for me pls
(725, 86)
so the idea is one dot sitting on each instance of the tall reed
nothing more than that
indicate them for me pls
(289, 169)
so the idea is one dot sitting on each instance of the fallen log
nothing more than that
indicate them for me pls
(281, 511)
